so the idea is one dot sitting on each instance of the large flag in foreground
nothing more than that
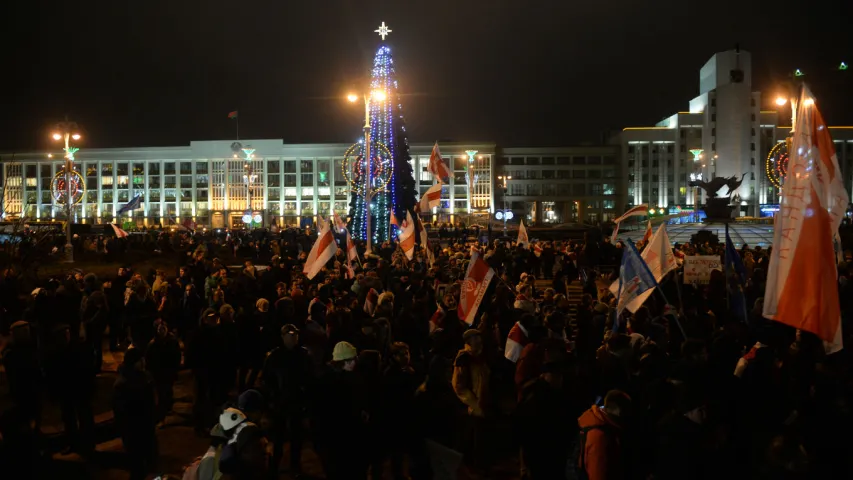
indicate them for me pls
(474, 287)
(523, 239)
(324, 249)
(802, 288)
(660, 259)
(634, 279)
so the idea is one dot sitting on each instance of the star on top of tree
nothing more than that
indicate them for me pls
(383, 31)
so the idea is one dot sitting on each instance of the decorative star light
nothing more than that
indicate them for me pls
(383, 31)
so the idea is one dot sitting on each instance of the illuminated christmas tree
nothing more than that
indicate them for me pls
(393, 186)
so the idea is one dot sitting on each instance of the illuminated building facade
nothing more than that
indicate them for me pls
(216, 184)
(728, 131)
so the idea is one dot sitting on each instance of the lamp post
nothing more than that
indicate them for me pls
(503, 179)
(67, 131)
(697, 157)
(378, 96)
(249, 176)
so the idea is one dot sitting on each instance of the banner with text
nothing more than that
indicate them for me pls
(697, 268)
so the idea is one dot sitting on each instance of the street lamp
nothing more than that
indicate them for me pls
(503, 179)
(249, 176)
(67, 131)
(369, 192)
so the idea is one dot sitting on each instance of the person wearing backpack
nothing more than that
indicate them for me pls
(600, 455)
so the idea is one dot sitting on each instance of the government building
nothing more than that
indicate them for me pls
(728, 130)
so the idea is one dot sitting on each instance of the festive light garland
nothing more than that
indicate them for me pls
(354, 168)
(776, 164)
(60, 191)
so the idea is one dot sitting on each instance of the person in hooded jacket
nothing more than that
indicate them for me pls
(600, 449)
(134, 405)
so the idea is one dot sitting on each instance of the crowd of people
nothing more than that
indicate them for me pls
(375, 370)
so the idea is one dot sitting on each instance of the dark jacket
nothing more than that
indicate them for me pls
(286, 377)
(134, 402)
(163, 358)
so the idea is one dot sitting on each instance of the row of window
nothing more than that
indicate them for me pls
(560, 174)
(578, 189)
(574, 160)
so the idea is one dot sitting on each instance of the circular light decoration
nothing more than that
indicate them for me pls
(247, 219)
(499, 215)
(59, 189)
(257, 219)
(776, 164)
(354, 167)
(509, 215)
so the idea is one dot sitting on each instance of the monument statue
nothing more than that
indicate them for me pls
(719, 207)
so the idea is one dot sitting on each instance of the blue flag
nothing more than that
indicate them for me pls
(735, 281)
(634, 279)
(131, 205)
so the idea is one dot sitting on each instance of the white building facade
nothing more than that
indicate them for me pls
(729, 130)
(216, 183)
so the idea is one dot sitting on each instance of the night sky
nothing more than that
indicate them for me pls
(521, 73)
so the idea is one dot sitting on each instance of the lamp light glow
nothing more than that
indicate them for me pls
(781, 101)
(352, 98)
(57, 136)
(76, 136)
(379, 95)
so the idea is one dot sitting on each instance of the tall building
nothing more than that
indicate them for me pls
(728, 130)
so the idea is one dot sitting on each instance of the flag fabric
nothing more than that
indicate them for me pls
(523, 239)
(232, 115)
(324, 249)
(370, 301)
(189, 224)
(634, 279)
(638, 211)
(393, 220)
(802, 283)
(648, 233)
(321, 222)
(735, 281)
(431, 198)
(131, 205)
(407, 236)
(437, 319)
(516, 340)
(352, 252)
(425, 243)
(474, 287)
(119, 232)
(340, 225)
(660, 259)
(436, 165)
(615, 232)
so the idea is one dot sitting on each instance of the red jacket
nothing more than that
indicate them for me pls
(602, 451)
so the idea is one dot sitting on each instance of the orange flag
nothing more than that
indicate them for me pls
(802, 283)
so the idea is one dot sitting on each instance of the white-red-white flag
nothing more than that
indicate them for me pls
(324, 249)
(523, 239)
(407, 236)
(648, 234)
(340, 224)
(436, 165)
(802, 283)
(352, 252)
(393, 219)
(615, 233)
(119, 232)
(437, 319)
(474, 287)
(638, 211)
(431, 198)
(660, 259)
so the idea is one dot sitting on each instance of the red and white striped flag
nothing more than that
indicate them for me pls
(436, 165)
(352, 252)
(474, 287)
(615, 233)
(802, 283)
(437, 319)
(407, 236)
(516, 340)
(324, 249)
(393, 220)
(431, 198)
(648, 233)
(638, 211)
(340, 225)
(119, 232)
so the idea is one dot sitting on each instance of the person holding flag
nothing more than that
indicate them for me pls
(634, 279)
(407, 236)
(735, 281)
(523, 239)
(324, 249)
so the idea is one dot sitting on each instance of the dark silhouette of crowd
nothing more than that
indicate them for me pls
(374, 371)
